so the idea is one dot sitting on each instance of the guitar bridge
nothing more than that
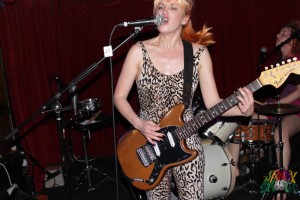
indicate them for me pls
(146, 155)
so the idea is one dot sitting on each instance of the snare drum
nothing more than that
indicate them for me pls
(256, 131)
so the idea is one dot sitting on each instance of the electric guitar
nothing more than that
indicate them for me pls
(145, 164)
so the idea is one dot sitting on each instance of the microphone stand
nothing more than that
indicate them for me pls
(54, 103)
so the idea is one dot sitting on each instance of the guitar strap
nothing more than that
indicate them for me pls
(188, 71)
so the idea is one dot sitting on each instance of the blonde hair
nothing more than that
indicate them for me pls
(186, 4)
(203, 36)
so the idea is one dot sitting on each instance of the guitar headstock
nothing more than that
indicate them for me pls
(277, 75)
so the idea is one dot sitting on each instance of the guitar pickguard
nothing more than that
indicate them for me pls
(166, 152)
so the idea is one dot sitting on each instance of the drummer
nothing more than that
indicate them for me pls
(289, 93)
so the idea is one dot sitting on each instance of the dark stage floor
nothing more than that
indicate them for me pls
(107, 190)
(243, 189)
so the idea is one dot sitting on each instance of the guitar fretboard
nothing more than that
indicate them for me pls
(205, 117)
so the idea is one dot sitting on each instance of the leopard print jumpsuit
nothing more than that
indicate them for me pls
(158, 93)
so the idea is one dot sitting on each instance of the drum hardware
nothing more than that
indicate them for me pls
(88, 107)
(251, 186)
(253, 135)
(85, 126)
(279, 110)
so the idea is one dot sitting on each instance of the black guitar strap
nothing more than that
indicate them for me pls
(188, 71)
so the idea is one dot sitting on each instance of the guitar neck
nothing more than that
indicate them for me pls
(208, 115)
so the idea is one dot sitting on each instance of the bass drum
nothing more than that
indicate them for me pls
(219, 173)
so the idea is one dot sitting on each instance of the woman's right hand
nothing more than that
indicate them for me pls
(149, 130)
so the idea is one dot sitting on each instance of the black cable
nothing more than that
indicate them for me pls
(137, 30)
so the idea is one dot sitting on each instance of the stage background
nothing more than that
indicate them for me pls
(42, 39)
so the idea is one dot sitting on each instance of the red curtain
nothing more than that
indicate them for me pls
(47, 38)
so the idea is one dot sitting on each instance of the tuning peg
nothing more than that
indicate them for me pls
(283, 62)
(294, 59)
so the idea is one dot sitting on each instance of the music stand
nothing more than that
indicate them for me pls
(278, 110)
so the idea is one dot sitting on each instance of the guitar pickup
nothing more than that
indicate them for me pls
(146, 155)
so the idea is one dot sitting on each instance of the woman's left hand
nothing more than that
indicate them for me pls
(246, 104)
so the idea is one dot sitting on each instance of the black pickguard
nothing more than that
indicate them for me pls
(169, 154)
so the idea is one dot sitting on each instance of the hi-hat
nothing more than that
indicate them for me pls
(277, 109)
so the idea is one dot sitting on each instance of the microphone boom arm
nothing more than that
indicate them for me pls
(75, 81)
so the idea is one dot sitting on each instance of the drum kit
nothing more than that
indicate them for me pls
(251, 134)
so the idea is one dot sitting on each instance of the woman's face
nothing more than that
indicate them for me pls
(173, 13)
(283, 35)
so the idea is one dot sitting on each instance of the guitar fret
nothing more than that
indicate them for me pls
(252, 87)
(183, 132)
(190, 129)
(194, 125)
(216, 110)
(232, 100)
(221, 107)
(179, 132)
(203, 119)
(206, 116)
(226, 104)
(212, 112)
(200, 120)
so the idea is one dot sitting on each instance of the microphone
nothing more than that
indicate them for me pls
(157, 20)
(74, 97)
(262, 57)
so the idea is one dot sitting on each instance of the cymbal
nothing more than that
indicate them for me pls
(277, 109)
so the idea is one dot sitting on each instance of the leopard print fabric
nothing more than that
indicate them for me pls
(158, 93)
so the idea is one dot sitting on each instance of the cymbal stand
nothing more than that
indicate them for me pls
(280, 146)
(253, 151)
(280, 186)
